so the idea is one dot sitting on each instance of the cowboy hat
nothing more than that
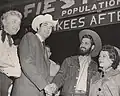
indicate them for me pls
(96, 39)
(42, 18)
(118, 50)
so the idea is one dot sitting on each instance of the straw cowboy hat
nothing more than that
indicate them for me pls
(96, 39)
(42, 18)
(118, 50)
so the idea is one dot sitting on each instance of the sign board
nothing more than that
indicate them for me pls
(62, 8)
(91, 6)
(69, 8)
(80, 12)
(91, 20)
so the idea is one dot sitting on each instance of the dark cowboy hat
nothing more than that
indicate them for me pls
(96, 39)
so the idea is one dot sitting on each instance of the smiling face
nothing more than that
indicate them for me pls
(11, 24)
(85, 46)
(104, 60)
(45, 30)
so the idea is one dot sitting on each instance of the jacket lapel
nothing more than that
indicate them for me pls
(40, 44)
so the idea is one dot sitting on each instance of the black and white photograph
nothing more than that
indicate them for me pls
(59, 48)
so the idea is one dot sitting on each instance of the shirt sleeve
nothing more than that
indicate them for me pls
(61, 75)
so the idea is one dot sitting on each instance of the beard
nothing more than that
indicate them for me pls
(84, 52)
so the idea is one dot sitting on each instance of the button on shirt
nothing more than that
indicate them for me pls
(9, 62)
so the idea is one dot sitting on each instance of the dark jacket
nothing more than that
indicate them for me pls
(66, 76)
(35, 68)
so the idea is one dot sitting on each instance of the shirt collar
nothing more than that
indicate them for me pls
(39, 37)
(6, 38)
(84, 57)
(111, 72)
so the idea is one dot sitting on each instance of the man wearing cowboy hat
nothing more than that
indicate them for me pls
(76, 71)
(35, 65)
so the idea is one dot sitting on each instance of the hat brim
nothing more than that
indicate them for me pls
(43, 18)
(96, 39)
(118, 50)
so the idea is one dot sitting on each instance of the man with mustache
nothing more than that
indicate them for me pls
(76, 71)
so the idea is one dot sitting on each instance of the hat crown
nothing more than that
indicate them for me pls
(48, 16)
(41, 19)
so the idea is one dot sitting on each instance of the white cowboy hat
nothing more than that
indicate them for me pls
(42, 18)
(96, 39)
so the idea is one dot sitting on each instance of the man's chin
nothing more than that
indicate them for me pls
(83, 53)
(15, 32)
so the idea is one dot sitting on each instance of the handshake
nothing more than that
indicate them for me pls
(50, 89)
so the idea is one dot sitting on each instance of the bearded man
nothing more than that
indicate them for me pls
(76, 71)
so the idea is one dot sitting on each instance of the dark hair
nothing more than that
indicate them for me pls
(89, 37)
(47, 46)
(39, 26)
(113, 54)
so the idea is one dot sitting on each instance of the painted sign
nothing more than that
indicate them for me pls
(81, 13)
(63, 8)
(91, 20)
(98, 6)
(68, 8)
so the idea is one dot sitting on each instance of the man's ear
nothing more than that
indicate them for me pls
(93, 46)
(111, 61)
(4, 22)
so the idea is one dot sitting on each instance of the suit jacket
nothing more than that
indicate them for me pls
(68, 73)
(35, 68)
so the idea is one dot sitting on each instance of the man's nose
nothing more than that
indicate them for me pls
(99, 58)
(82, 45)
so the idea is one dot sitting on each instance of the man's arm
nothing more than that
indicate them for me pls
(28, 61)
(59, 79)
(61, 75)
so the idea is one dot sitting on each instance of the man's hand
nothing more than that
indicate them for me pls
(50, 89)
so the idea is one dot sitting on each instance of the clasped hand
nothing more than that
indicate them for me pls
(50, 89)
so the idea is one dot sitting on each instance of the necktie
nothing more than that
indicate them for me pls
(43, 43)
(45, 53)
(9, 39)
(3, 35)
(46, 58)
